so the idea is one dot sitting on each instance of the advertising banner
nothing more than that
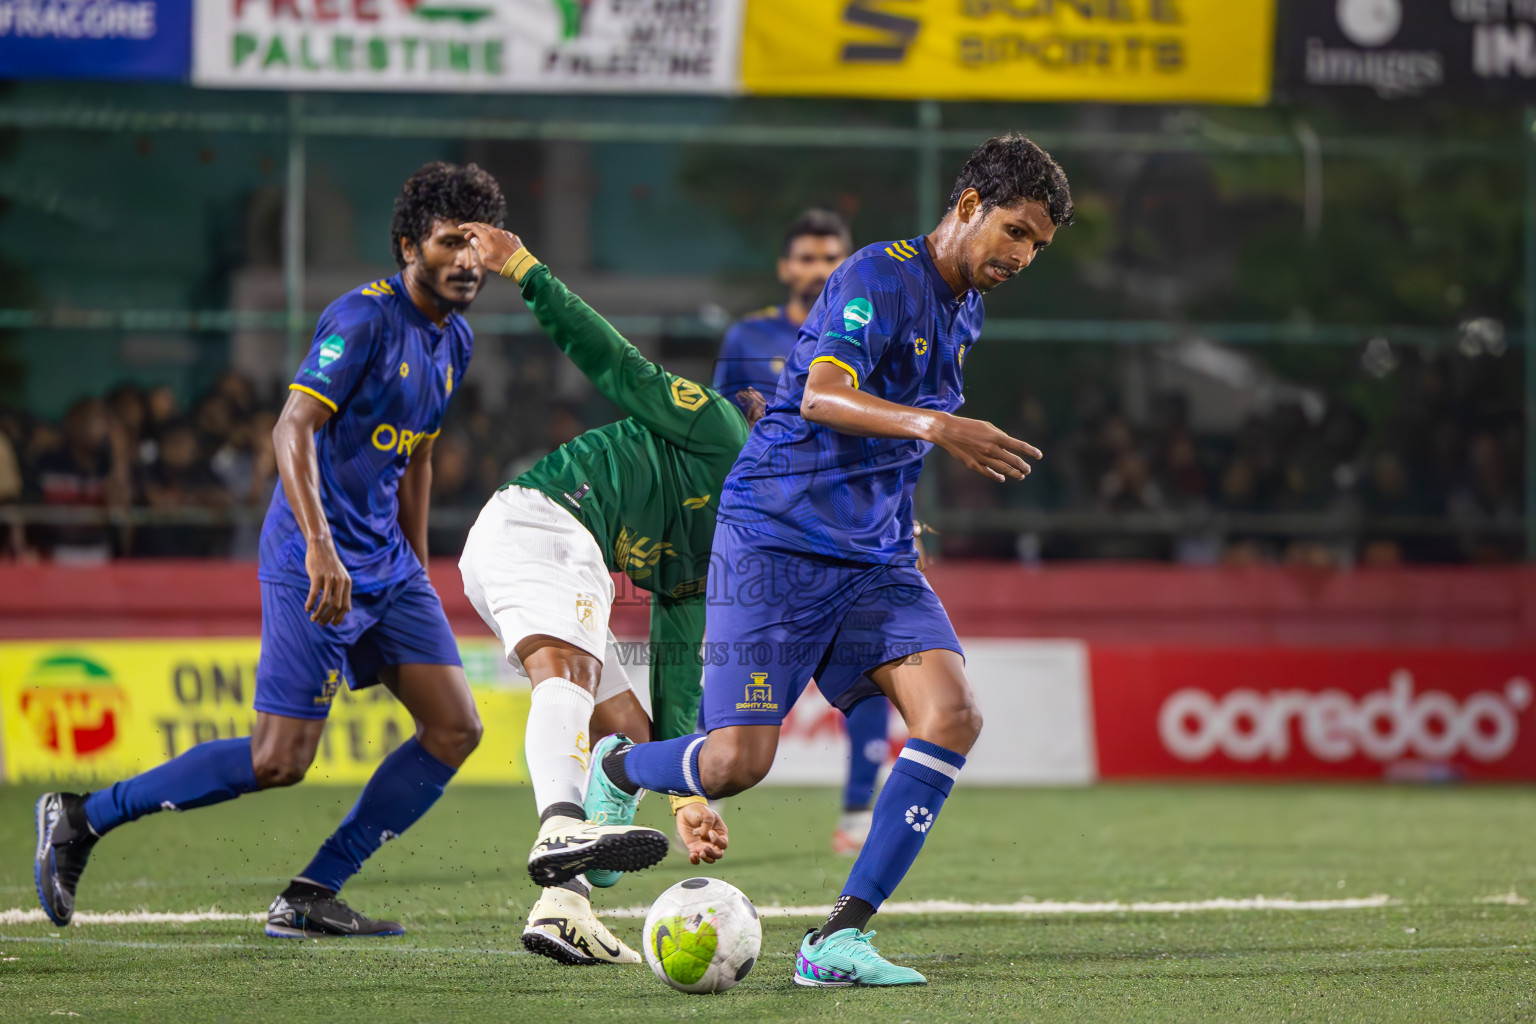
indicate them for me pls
(1466, 50)
(95, 711)
(1032, 693)
(1213, 713)
(664, 46)
(103, 39)
(1122, 51)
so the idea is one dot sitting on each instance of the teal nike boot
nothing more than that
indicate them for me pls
(607, 804)
(847, 958)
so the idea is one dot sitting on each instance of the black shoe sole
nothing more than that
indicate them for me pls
(627, 851)
(545, 944)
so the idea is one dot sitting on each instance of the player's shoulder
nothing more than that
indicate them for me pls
(369, 304)
(885, 266)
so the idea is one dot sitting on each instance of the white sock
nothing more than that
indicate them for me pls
(556, 742)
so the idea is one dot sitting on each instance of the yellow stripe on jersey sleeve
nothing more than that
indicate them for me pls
(840, 365)
(312, 392)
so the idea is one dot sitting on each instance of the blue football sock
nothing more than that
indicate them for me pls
(666, 766)
(403, 787)
(868, 743)
(908, 806)
(208, 773)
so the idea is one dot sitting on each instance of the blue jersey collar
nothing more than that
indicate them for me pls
(941, 289)
(416, 316)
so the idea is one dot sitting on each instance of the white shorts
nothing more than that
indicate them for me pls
(531, 568)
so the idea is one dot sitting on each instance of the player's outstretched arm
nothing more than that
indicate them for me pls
(670, 406)
(831, 399)
(293, 441)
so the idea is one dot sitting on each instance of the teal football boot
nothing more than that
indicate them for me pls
(847, 958)
(607, 804)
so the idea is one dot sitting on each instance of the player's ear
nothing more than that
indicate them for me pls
(784, 270)
(969, 206)
(408, 249)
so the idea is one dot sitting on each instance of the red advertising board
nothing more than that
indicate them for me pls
(1287, 713)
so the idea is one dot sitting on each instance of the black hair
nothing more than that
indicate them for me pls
(1009, 169)
(819, 223)
(444, 191)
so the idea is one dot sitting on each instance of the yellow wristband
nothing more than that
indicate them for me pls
(518, 264)
(679, 802)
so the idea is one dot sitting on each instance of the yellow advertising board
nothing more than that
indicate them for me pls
(93, 711)
(1119, 51)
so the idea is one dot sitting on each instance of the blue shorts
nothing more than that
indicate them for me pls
(302, 663)
(777, 618)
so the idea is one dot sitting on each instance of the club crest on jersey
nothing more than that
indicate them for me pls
(687, 395)
(921, 346)
(331, 349)
(759, 695)
(329, 687)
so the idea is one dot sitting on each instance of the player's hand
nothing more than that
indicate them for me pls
(703, 832)
(494, 246)
(984, 448)
(330, 585)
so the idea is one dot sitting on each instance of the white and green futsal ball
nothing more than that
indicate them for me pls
(702, 935)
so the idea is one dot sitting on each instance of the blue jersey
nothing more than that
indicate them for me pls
(890, 320)
(754, 352)
(386, 372)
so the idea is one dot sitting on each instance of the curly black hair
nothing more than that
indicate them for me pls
(1010, 168)
(439, 191)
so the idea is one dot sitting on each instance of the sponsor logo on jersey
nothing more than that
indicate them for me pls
(389, 438)
(920, 346)
(331, 349)
(405, 369)
(857, 314)
(586, 609)
(759, 695)
(696, 503)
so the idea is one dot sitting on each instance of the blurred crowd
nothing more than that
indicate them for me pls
(1297, 484)
(1302, 483)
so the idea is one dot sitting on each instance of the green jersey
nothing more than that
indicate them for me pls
(646, 487)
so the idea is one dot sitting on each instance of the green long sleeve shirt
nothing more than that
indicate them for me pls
(647, 487)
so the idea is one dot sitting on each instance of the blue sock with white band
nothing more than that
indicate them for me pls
(907, 808)
(665, 766)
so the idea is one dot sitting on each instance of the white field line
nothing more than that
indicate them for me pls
(1042, 907)
(35, 916)
(914, 908)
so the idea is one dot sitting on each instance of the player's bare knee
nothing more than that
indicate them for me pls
(954, 728)
(459, 736)
(276, 771)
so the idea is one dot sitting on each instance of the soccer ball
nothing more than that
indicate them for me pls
(702, 935)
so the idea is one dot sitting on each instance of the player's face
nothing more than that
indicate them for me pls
(1000, 242)
(810, 261)
(445, 264)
